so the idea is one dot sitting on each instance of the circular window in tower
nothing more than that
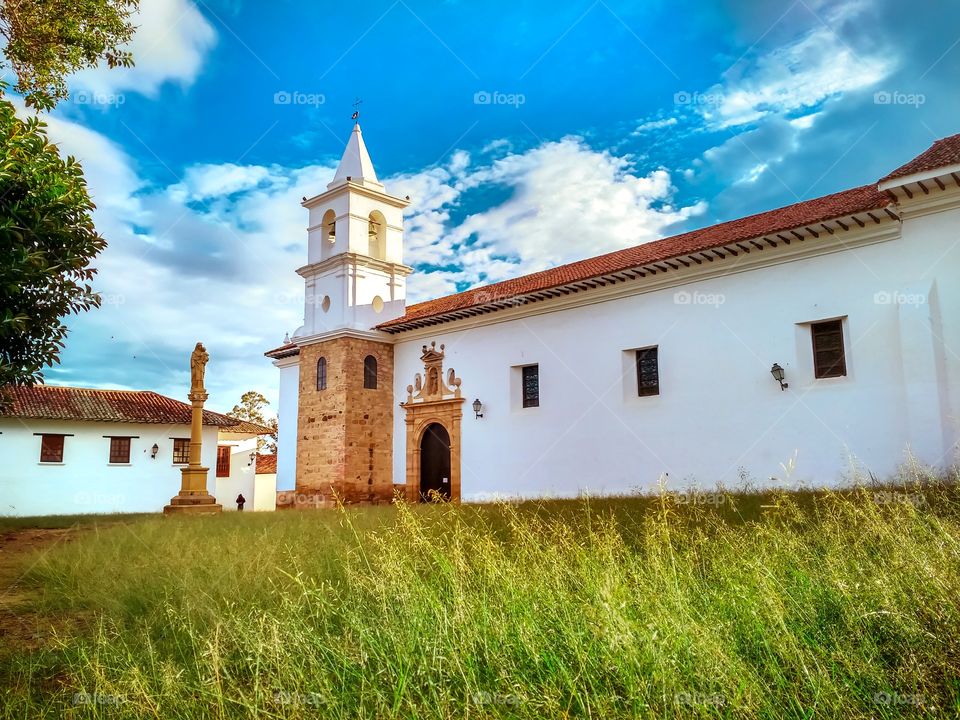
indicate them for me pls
(325, 303)
(377, 304)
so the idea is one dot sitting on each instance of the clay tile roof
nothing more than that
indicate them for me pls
(941, 154)
(284, 350)
(808, 212)
(266, 465)
(245, 427)
(49, 402)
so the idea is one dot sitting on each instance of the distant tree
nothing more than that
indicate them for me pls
(47, 40)
(251, 408)
(47, 237)
(47, 240)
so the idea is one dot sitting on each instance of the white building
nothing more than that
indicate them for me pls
(78, 450)
(658, 360)
(265, 495)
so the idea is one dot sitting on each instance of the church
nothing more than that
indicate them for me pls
(805, 345)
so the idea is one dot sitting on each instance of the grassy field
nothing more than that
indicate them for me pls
(759, 606)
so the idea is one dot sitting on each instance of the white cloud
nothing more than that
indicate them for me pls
(797, 76)
(654, 125)
(766, 102)
(213, 256)
(173, 273)
(207, 181)
(805, 122)
(110, 173)
(433, 192)
(567, 202)
(170, 43)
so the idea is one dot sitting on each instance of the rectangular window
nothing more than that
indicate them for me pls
(828, 356)
(181, 451)
(51, 448)
(648, 372)
(322, 374)
(223, 461)
(119, 450)
(531, 386)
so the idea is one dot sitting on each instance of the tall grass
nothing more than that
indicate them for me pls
(830, 605)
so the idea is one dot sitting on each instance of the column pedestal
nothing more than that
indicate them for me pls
(193, 496)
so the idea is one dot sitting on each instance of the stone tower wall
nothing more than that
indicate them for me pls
(345, 432)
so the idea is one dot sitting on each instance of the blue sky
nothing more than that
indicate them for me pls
(528, 134)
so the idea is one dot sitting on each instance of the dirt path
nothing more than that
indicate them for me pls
(21, 627)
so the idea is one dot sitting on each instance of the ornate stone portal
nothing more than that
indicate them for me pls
(193, 496)
(434, 410)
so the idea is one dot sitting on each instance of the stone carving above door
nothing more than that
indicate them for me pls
(433, 399)
(432, 386)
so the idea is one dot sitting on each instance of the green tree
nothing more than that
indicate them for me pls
(251, 408)
(47, 40)
(47, 240)
(47, 236)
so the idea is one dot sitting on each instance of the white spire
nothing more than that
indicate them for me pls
(355, 163)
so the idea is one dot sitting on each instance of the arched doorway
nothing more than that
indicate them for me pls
(434, 411)
(434, 463)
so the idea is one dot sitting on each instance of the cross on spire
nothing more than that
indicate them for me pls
(357, 102)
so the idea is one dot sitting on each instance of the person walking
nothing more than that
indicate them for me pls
(240, 501)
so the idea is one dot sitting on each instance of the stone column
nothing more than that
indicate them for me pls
(193, 496)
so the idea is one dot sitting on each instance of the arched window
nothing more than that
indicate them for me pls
(329, 229)
(377, 235)
(322, 374)
(328, 234)
(370, 372)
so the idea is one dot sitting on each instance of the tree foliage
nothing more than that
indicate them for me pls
(47, 236)
(47, 239)
(47, 40)
(251, 408)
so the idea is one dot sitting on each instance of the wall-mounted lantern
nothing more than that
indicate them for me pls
(253, 458)
(153, 451)
(477, 407)
(777, 373)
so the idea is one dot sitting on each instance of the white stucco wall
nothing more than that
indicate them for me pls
(720, 414)
(242, 471)
(265, 493)
(287, 424)
(86, 482)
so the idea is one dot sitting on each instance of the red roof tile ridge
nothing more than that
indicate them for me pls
(266, 464)
(942, 153)
(863, 197)
(281, 348)
(68, 402)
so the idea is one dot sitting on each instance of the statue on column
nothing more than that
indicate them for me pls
(198, 365)
(198, 362)
(194, 496)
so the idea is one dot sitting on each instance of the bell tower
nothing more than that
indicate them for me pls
(355, 276)
(355, 279)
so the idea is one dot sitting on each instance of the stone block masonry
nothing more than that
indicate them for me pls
(345, 443)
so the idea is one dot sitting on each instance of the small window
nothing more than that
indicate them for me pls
(119, 450)
(322, 374)
(370, 372)
(648, 372)
(223, 461)
(828, 357)
(181, 451)
(51, 448)
(531, 386)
